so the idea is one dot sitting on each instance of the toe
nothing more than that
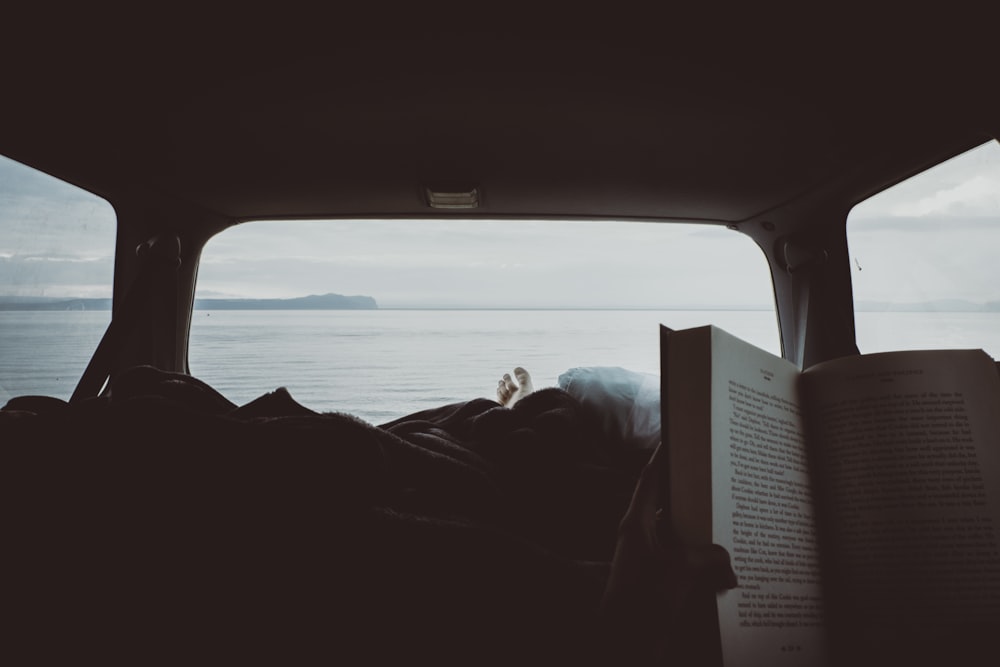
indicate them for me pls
(503, 392)
(523, 378)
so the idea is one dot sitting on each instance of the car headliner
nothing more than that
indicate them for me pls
(659, 121)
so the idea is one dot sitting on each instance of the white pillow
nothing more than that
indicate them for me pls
(626, 402)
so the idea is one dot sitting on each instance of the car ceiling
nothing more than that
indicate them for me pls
(637, 119)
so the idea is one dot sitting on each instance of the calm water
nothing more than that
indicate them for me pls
(383, 364)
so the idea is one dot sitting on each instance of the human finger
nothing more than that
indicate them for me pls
(711, 566)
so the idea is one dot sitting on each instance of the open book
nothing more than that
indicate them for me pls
(859, 499)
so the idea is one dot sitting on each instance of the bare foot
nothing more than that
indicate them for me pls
(511, 390)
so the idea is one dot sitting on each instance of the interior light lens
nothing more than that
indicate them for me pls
(466, 198)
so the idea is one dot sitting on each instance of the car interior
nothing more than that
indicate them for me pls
(226, 532)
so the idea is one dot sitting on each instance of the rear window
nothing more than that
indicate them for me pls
(457, 304)
(57, 247)
(925, 266)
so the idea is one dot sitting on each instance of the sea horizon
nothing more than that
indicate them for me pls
(385, 363)
(42, 303)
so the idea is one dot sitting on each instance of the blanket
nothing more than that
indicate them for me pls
(163, 522)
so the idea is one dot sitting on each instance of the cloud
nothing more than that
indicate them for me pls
(933, 236)
(964, 186)
(489, 263)
(36, 275)
(943, 224)
(56, 240)
(979, 195)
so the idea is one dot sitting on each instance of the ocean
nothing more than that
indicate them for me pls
(382, 364)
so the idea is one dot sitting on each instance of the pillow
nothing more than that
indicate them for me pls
(627, 403)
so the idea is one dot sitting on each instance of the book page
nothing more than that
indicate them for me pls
(762, 509)
(910, 460)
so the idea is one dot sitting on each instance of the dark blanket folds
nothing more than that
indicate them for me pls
(165, 521)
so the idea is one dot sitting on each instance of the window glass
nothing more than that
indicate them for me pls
(459, 303)
(925, 258)
(56, 268)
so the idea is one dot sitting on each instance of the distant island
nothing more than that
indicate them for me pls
(311, 302)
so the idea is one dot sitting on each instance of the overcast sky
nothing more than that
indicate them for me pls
(951, 214)
(56, 240)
